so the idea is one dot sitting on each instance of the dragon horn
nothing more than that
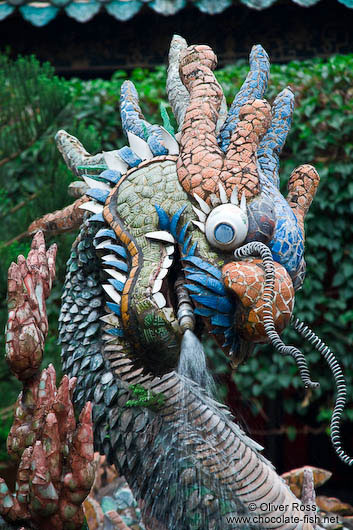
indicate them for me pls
(74, 153)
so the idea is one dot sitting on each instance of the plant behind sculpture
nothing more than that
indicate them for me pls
(124, 317)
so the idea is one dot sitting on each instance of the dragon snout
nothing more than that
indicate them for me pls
(247, 280)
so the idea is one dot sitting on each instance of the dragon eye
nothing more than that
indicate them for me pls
(226, 226)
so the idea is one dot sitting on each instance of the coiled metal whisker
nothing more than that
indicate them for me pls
(259, 249)
(336, 370)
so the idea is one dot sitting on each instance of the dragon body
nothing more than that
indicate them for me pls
(180, 235)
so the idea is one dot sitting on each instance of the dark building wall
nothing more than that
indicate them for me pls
(104, 44)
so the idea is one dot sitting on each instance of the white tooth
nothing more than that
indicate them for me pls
(162, 274)
(109, 338)
(103, 244)
(157, 286)
(117, 275)
(161, 235)
(113, 161)
(160, 300)
(222, 193)
(243, 202)
(117, 348)
(170, 249)
(114, 295)
(203, 205)
(214, 200)
(111, 319)
(234, 197)
(139, 147)
(96, 184)
(170, 142)
(109, 257)
(167, 262)
(200, 214)
(92, 206)
(201, 226)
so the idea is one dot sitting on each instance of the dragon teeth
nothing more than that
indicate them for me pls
(117, 275)
(161, 235)
(114, 295)
(167, 262)
(162, 274)
(92, 206)
(160, 300)
(170, 250)
(234, 197)
(139, 146)
(157, 286)
(113, 161)
(96, 184)
(109, 257)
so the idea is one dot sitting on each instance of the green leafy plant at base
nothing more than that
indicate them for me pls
(34, 181)
(145, 398)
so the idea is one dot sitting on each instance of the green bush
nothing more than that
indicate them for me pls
(322, 135)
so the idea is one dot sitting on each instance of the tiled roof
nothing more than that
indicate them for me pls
(41, 12)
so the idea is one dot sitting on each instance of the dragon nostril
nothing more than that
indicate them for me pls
(224, 233)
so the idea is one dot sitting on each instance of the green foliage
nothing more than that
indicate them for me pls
(321, 135)
(145, 398)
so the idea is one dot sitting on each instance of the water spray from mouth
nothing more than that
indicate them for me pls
(192, 360)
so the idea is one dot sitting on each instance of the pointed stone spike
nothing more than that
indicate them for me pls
(170, 142)
(234, 197)
(139, 146)
(113, 161)
(117, 275)
(243, 202)
(112, 293)
(200, 214)
(92, 206)
(160, 300)
(161, 235)
(203, 205)
(95, 183)
(222, 193)
(199, 225)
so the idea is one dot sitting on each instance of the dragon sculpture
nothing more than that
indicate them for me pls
(181, 233)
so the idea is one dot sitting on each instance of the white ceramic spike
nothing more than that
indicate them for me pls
(243, 202)
(114, 295)
(160, 300)
(92, 206)
(170, 142)
(162, 274)
(167, 262)
(157, 286)
(139, 147)
(200, 214)
(161, 235)
(113, 161)
(110, 257)
(222, 193)
(116, 274)
(199, 225)
(214, 200)
(234, 197)
(96, 184)
(170, 250)
(203, 205)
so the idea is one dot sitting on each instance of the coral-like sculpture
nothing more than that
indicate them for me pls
(183, 234)
(54, 455)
